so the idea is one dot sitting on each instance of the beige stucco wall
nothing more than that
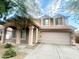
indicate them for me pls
(37, 22)
(1, 27)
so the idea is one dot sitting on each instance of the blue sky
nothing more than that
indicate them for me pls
(44, 5)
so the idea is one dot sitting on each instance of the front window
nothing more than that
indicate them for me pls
(46, 22)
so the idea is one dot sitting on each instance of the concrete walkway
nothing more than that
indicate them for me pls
(46, 51)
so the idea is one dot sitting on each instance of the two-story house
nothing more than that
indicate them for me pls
(49, 30)
(56, 30)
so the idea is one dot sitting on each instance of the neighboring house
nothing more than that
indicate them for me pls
(49, 30)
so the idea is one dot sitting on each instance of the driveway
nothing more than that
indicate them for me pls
(48, 51)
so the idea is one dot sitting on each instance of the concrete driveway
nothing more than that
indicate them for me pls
(48, 51)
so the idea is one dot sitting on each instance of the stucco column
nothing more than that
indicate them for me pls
(36, 35)
(54, 22)
(30, 39)
(18, 36)
(41, 22)
(49, 22)
(2, 36)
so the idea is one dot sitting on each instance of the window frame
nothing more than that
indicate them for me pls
(59, 21)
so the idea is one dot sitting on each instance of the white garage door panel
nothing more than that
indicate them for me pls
(55, 38)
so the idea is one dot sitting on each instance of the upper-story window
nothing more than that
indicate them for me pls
(46, 22)
(59, 21)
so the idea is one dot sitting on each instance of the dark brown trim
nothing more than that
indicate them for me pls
(56, 30)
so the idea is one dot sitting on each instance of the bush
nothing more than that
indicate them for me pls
(9, 53)
(8, 45)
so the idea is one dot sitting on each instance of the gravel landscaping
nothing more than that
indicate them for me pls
(22, 51)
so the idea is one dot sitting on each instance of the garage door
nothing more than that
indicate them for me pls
(55, 38)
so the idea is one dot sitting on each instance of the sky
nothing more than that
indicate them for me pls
(47, 4)
(48, 7)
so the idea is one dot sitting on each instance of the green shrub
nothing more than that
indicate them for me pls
(9, 53)
(8, 45)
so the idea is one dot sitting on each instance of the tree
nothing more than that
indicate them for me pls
(72, 6)
(5, 8)
(2, 7)
(21, 17)
(8, 6)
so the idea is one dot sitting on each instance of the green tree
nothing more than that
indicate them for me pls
(5, 7)
(70, 5)
(21, 17)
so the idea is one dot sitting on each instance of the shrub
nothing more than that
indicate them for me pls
(9, 53)
(8, 45)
